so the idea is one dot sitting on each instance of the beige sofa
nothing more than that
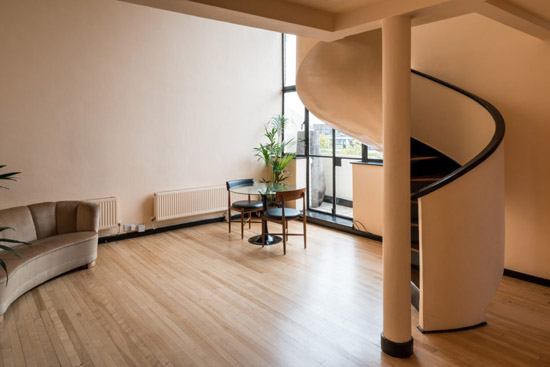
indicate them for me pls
(63, 237)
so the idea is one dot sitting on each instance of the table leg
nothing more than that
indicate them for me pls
(269, 239)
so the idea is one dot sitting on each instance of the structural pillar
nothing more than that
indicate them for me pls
(396, 339)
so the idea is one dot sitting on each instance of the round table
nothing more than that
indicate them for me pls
(264, 190)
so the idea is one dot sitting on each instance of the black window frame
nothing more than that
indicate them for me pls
(364, 148)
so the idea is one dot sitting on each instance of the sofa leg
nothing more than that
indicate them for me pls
(90, 265)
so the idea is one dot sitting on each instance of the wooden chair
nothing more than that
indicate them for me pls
(283, 215)
(242, 206)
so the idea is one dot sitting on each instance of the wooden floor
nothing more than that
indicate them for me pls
(202, 297)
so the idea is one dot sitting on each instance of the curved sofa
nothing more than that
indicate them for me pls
(63, 236)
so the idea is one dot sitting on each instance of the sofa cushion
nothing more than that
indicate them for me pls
(43, 215)
(44, 247)
(87, 217)
(20, 219)
(44, 260)
(65, 212)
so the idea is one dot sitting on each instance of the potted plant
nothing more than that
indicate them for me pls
(11, 177)
(273, 152)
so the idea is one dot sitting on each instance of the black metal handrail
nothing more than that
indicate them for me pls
(497, 138)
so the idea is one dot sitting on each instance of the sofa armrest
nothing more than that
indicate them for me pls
(87, 217)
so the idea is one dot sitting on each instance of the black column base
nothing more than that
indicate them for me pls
(397, 350)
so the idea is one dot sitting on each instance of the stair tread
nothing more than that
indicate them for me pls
(427, 178)
(415, 246)
(414, 222)
(424, 157)
(415, 276)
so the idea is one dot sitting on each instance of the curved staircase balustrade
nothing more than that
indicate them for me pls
(461, 215)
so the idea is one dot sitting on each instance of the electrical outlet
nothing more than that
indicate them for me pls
(129, 227)
(141, 227)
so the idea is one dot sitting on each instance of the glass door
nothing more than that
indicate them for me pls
(321, 161)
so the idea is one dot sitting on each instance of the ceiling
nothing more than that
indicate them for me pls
(336, 6)
(329, 20)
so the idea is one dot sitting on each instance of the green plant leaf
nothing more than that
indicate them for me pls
(9, 176)
(3, 265)
(14, 241)
(9, 249)
(273, 152)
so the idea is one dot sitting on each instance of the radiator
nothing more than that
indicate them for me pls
(108, 212)
(190, 202)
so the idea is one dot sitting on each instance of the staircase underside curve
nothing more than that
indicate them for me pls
(460, 213)
(340, 82)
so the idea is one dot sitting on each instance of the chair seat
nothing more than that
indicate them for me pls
(278, 213)
(247, 204)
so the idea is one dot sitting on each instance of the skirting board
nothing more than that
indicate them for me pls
(125, 236)
(527, 277)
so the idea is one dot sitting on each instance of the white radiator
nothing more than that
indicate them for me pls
(108, 212)
(188, 202)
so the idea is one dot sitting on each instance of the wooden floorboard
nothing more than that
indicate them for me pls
(203, 297)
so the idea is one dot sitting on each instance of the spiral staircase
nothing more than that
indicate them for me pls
(457, 190)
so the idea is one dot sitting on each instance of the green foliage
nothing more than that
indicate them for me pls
(325, 145)
(353, 149)
(273, 153)
(8, 176)
(11, 177)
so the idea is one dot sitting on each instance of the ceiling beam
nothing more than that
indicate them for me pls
(506, 13)
(362, 19)
(442, 11)
(501, 11)
(273, 15)
(288, 17)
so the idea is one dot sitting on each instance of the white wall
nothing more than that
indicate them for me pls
(101, 98)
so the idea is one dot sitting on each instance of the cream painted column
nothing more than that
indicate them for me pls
(396, 338)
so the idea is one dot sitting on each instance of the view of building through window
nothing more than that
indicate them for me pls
(329, 152)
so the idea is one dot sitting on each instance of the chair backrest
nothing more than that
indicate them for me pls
(290, 195)
(241, 182)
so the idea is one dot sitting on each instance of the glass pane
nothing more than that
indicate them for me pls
(375, 154)
(320, 184)
(290, 60)
(347, 146)
(320, 137)
(344, 188)
(295, 110)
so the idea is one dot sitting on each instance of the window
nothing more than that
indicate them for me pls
(289, 60)
(329, 152)
(348, 147)
(295, 111)
(375, 155)
(320, 137)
